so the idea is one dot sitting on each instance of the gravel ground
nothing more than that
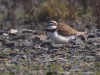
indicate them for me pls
(29, 53)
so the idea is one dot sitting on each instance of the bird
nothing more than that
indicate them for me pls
(62, 33)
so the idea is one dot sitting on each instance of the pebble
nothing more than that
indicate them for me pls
(37, 52)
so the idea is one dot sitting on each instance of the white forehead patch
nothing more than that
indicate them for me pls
(51, 27)
(54, 21)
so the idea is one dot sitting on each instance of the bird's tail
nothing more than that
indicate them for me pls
(83, 35)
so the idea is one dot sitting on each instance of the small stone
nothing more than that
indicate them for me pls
(57, 45)
(37, 46)
(88, 73)
(13, 31)
(43, 37)
(45, 44)
(24, 57)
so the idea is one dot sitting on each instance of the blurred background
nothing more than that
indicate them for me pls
(26, 50)
(34, 14)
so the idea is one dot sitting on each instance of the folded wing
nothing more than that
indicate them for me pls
(66, 30)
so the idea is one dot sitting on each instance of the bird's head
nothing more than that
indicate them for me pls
(52, 25)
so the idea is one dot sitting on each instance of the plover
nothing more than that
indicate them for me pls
(62, 33)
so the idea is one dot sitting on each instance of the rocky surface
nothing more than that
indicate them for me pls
(26, 52)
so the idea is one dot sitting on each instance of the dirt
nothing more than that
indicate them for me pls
(31, 53)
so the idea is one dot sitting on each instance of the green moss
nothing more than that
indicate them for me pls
(97, 64)
(54, 68)
(2, 54)
(98, 73)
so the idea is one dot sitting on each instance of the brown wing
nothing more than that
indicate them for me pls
(66, 30)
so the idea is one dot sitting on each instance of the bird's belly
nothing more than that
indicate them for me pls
(58, 38)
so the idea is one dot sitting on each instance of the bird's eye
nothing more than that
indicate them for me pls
(55, 24)
(50, 24)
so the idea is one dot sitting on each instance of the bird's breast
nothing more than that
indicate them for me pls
(59, 38)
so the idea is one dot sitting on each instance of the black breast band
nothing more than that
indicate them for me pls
(51, 30)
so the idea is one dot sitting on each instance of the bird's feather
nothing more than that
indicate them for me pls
(66, 30)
